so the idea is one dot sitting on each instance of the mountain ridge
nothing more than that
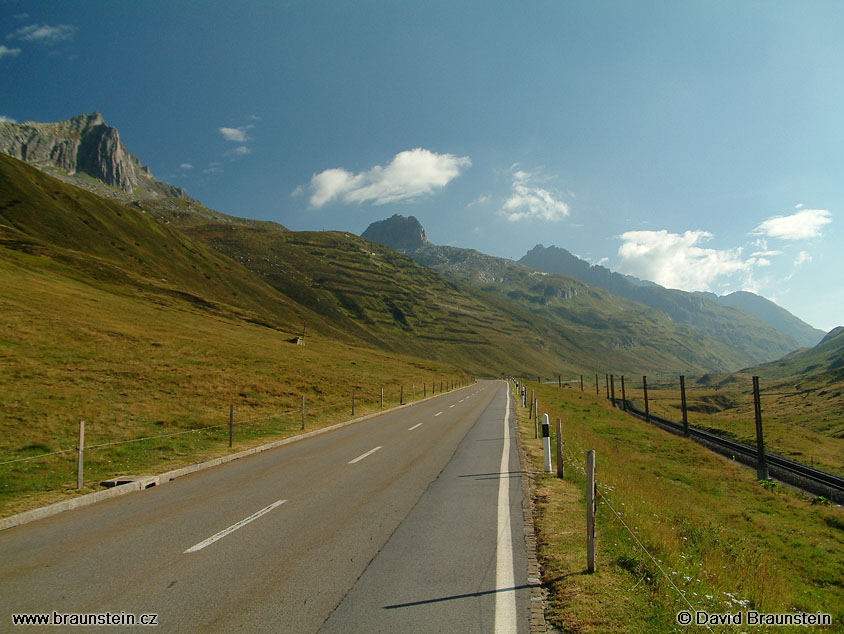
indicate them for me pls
(749, 339)
(555, 259)
(83, 145)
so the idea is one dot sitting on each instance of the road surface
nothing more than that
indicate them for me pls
(407, 522)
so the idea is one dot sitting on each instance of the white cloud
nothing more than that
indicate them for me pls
(765, 254)
(410, 174)
(5, 119)
(9, 52)
(480, 200)
(805, 224)
(529, 202)
(677, 261)
(802, 258)
(236, 135)
(240, 150)
(43, 33)
(186, 166)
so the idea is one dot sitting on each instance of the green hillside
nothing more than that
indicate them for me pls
(747, 334)
(640, 338)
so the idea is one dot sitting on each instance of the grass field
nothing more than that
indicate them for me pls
(806, 425)
(135, 366)
(711, 537)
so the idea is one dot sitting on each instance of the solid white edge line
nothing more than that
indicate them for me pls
(415, 426)
(505, 596)
(362, 456)
(233, 527)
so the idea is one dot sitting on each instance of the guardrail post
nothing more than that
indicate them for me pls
(761, 465)
(80, 450)
(353, 402)
(546, 442)
(231, 422)
(401, 395)
(590, 510)
(303, 411)
(560, 472)
(645, 388)
(424, 390)
(382, 398)
(683, 404)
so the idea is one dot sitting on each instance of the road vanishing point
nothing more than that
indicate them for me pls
(410, 521)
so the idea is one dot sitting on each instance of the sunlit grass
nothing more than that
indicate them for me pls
(725, 542)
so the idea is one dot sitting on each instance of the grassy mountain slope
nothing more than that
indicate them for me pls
(758, 340)
(109, 316)
(774, 315)
(633, 337)
(497, 313)
(123, 249)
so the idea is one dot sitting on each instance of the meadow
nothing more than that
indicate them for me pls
(678, 528)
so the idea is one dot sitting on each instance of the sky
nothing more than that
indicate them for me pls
(699, 145)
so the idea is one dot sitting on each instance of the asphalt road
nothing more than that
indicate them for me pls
(407, 522)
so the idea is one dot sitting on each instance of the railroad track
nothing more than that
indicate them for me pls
(815, 480)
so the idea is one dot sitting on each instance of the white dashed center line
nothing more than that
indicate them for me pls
(233, 527)
(415, 426)
(362, 456)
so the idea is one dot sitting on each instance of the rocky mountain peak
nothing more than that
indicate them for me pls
(398, 232)
(84, 144)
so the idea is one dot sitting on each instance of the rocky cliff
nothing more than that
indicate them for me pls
(397, 232)
(84, 144)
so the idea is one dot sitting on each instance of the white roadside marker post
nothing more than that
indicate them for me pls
(546, 442)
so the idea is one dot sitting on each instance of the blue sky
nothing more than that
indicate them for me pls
(696, 144)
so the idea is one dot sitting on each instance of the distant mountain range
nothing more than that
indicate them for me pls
(755, 329)
(691, 308)
(456, 305)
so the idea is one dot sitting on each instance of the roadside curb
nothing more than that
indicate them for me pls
(147, 482)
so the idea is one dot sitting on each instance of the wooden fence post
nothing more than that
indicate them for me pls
(597, 385)
(353, 402)
(382, 398)
(401, 394)
(623, 395)
(612, 388)
(761, 465)
(303, 411)
(590, 510)
(80, 450)
(683, 404)
(607, 379)
(647, 408)
(581, 382)
(231, 422)
(536, 419)
(559, 381)
(560, 472)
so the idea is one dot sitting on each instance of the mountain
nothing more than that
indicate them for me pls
(774, 315)
(638, 335)
(755, 332)
(83, 146)
(397, 232)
